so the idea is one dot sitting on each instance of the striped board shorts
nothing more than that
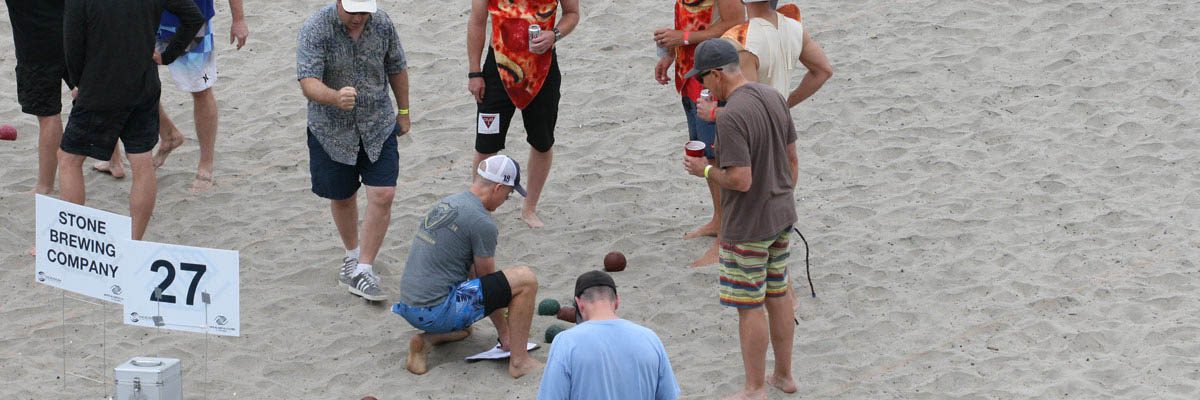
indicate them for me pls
(752, 271)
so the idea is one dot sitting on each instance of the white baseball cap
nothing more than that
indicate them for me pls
(503, 170)
(357, 6)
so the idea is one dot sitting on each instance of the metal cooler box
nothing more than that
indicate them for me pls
(149, 378)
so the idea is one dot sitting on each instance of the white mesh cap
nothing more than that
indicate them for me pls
(503, 170)
(357, 6)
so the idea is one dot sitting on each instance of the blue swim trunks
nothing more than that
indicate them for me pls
(461, 308)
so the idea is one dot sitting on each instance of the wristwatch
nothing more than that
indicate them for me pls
(557, 35)
(475, 74)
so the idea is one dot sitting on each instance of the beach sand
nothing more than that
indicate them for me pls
(1001, 198)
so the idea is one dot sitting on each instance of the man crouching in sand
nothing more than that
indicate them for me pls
(450, 279)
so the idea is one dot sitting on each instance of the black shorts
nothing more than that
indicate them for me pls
(539, 116)
(496, 292)
(95, 133)
(39, 88)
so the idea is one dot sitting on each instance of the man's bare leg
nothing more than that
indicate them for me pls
(779, 318)
(113, 166)
(714, 225)
(70, 181)
(479, 157)
(50, 130)
(169, 138)
(421, 344)
(539, 172)
(143, 193)
(375, 222)
(752, 331)
(345, 217)
(710, 257)
(70, 178)
(520, 317)
(204, 110)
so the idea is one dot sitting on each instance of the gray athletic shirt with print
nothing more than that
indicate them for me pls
(453, 233)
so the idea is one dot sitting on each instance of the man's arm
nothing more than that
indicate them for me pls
(74, 40)
(484, 266)
(238, 29)
(566, 24)
(749, 64)
(190, 22)
(476, 24)
(732, 13)
(316, 90)
(793, 163)
(732, 178)
(570, 16)
(399, 83)
(556, 379)
(819, 71)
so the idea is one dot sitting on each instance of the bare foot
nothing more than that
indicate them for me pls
(518, 370)
(760, 394)
(784, 383)
(41, 190)
(420, 346)
(709, 229)
(418, 352)
(113, 168)
(33, 251)
(202, 183)
(165, 146)
(531, 219)
(709, 257)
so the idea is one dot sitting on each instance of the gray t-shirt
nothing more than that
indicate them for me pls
(455, 231)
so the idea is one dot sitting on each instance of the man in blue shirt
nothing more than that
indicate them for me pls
(606, 357)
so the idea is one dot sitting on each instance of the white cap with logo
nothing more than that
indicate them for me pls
(503, 170)
(357, 6)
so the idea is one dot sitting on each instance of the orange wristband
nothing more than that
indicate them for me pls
(712, 115)
(685, 37)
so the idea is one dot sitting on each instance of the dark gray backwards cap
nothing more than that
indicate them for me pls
(712, 54)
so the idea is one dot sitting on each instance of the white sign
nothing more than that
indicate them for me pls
(182, 288)
(78, 248)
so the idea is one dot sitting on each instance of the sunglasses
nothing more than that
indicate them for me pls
(705, 73)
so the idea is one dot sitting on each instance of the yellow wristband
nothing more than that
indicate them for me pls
(403, 111)
(706, 168)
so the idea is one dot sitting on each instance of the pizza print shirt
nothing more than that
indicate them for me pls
(522, 72)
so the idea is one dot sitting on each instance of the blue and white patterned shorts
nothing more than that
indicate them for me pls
(461, 308)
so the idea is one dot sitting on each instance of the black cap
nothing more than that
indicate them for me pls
(593, 278)
(713, 54)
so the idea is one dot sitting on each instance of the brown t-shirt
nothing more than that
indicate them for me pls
(754, 130)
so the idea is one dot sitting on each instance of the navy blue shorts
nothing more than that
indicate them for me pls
(699, 129)
(336, 181)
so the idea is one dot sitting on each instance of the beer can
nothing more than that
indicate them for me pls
(534, 31)
(706, 95)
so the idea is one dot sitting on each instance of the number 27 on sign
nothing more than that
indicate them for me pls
(158, 295)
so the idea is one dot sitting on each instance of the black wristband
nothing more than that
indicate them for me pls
(475, 74)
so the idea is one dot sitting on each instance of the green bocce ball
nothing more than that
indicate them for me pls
(553, 331)
(548, 307)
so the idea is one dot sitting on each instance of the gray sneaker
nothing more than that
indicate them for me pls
(366, 285)
(349, 268)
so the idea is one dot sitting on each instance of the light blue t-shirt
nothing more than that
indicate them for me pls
(608, 360)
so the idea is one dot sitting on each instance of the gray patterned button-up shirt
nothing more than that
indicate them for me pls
(327, 52)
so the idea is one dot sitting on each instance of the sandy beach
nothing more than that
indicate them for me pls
(1002, 200)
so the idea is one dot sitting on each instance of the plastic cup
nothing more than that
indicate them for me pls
(7, 132)
(694, 148)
